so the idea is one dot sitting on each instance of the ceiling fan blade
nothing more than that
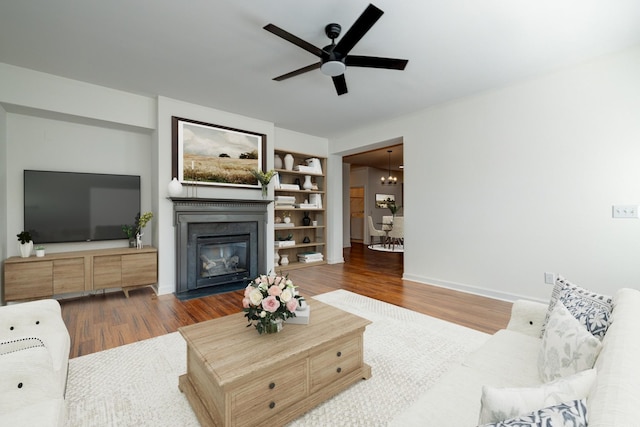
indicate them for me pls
(340, 83)
(375, 62)
(295, 40)
(298, 72)
(359, 28)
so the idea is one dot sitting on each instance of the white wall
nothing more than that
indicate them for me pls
(506, 185)
(4, 184)
(54, 123)
(166, 233)
(47, 144)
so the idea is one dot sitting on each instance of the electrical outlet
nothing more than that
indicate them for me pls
(625, 211)
(549, 278)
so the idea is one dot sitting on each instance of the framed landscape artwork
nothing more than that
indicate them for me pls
(382, 199)
(208, 154)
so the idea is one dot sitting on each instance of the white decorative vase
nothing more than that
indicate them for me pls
(287, 219)
(288, 162)
(39, 253)
(307, 183)
(276, 257)
(25, 249)
(277, 162)
(284, 259)
(175, 188)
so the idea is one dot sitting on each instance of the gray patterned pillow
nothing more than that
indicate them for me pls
(570, 414)
(592, 310)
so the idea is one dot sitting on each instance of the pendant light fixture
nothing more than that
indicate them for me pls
(390, 179)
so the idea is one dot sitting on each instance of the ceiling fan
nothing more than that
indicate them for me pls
(335, 58)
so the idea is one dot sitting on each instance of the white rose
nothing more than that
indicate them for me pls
(255, 296)
(263, 314)
(286, 295)
(289, 282)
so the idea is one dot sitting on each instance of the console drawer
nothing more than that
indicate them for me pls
(334, 362)
(267, 395)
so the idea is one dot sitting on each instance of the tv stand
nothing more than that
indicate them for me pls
(81, 271)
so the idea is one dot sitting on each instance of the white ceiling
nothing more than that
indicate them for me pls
(215, 52)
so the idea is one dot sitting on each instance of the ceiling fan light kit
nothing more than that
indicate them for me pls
(335, 58)
(333, 68)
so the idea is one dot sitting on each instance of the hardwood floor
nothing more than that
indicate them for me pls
(100, 322)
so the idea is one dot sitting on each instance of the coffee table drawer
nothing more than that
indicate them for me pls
(335, 361)
(267, 395)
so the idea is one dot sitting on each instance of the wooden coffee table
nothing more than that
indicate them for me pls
(236, 377)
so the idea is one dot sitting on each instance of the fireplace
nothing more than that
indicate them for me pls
(220, 244)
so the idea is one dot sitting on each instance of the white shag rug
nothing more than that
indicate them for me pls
(137, 384)
(387, 248)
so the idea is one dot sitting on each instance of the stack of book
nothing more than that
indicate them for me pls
(306, 257)
(285, 201)
(284, 243)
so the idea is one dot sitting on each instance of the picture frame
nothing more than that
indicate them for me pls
(382, 199)
(209, 154)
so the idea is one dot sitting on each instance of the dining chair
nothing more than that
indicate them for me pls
(396, 234)
(373, 231)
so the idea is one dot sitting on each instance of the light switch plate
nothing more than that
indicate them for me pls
(625, 211)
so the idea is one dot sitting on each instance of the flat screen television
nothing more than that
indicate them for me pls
(79, 207)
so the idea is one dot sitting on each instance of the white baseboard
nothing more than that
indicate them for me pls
(470, 289)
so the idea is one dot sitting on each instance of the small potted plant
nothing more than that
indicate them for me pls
(39, 251)
(26, 244)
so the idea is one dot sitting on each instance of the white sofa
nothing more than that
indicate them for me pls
(509, 359)
(34, 358)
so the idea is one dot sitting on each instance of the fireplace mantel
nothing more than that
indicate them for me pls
(198, 203)
(191, 216)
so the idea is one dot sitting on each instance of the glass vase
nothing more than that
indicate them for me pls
(273, 326)
(265, 191)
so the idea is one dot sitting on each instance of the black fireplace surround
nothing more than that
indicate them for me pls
(220, 244)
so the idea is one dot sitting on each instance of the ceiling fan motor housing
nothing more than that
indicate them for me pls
(332, 31)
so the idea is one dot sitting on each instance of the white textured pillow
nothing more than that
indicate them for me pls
(503, 403)
(567, 347)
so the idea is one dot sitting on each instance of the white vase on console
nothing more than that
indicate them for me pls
(26, 249)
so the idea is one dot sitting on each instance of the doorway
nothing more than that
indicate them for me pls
(356, 214)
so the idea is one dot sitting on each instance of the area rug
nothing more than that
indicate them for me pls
(137, 384)
(387, 248)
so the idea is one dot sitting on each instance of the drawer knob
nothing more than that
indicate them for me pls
(339, 370)
(272, 405)
(339, 354)
(272, 386)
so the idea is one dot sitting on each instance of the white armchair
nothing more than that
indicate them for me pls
(34, 357)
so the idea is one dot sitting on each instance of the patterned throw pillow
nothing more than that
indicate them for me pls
(503, 403)
(567, 347)
(569, 414)
(592, 310)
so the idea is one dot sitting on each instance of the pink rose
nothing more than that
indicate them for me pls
(270, 304)
(246, 303)
(247, 291)
(277, 280)
(292, 305)
(274, 291)
(271, 280)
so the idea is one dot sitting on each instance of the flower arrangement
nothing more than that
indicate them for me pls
(391, 204)
(264, 178)
(269, 300)
(139, 223)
